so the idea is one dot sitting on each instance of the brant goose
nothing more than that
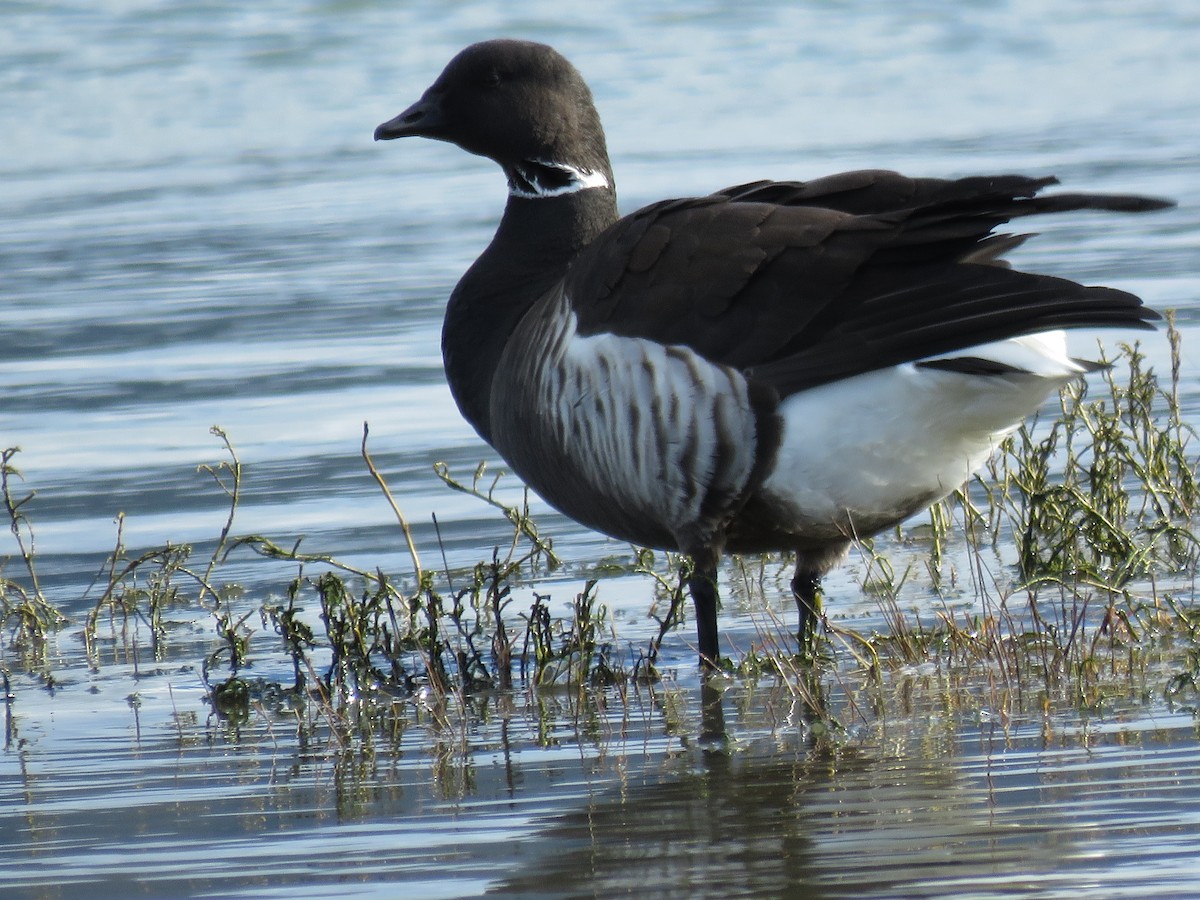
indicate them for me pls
(776, 366)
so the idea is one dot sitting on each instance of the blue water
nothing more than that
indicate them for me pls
(196, 229)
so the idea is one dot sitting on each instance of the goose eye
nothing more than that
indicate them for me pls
(492, 78)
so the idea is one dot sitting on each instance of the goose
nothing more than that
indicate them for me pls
(777, 366)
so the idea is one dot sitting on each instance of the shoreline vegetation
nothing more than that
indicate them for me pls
(1063, 575)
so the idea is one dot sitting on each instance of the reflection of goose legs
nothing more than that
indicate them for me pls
(712, 715)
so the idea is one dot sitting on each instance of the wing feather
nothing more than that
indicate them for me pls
(806, 283)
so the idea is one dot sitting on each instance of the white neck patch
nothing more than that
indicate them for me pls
(536, 179)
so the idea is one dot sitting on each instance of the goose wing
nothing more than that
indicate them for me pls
(807, 283)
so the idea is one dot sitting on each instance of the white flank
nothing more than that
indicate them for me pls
(882, 445)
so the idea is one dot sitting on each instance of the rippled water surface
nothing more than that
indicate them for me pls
(197, 229)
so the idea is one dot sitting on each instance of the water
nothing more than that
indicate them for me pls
(198, 230)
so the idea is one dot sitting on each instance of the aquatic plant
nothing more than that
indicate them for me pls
(23, 606)
(1067, 542)
(1063, 567)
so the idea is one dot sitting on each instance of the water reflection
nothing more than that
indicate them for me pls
(717, 789)
(983, 811)
(749, 826)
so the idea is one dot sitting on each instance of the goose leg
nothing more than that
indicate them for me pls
(703, 588)
(806, 588)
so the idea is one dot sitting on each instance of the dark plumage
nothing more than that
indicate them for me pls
(776, 366)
